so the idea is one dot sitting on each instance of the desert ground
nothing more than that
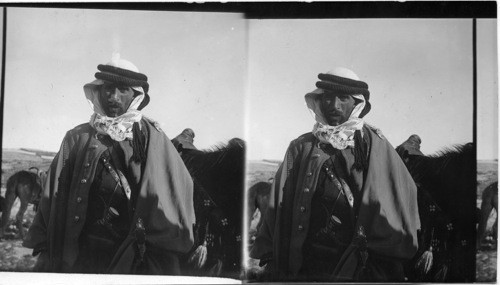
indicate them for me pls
(14, 257)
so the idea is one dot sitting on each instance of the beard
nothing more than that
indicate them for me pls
(114, 110)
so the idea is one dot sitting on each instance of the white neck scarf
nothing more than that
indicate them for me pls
(118, 128)
(341, 136)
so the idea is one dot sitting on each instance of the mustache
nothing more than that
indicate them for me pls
(332, 113)
(113, 105)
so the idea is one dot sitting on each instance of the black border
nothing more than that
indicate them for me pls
(303, 10)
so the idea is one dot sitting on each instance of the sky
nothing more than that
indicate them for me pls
(487, 99)
(225, 76)
(419, 73)
(195, 63)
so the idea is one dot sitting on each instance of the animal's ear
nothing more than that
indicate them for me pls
(406, 153)
(34, 168)
(180, 147)
(237, 142)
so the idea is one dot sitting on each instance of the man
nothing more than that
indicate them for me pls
(343, 207)
(118, 198)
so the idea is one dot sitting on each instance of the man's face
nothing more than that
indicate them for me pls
(336, 108)
(115, 99)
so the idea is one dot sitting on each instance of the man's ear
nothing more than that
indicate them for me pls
(356, 101)
(136, 93)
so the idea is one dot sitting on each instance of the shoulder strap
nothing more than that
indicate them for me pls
(118, 177)
(344, 188)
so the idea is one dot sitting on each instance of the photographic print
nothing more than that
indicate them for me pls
(321, 216)
(122, 140)
(249, 142)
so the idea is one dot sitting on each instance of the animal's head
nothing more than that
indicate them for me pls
(43, 176)
(409, 149)
(34, 169)
(39, 177)
(184, 140)
(258, 197)
(36, 194)
(236, 142)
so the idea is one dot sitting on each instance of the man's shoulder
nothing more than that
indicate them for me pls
(304, 139)
(154, 124)
(377, 139)
(78, 133)
(81, 129)
(374, 130)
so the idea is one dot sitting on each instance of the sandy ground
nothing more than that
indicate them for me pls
(13, 256)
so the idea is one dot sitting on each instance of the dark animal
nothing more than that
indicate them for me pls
(184, 140)
(489, 202)
(446, 185)
(218, 176)
(26, 186)
(258, 198)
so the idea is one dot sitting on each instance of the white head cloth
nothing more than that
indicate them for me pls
(341, 136)
(118, 128)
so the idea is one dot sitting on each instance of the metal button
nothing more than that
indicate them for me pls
(83, 181)
(104, 159)
(300, 228)
(79, 199)
(87, 164)
(306, 190)
(309, 174)
(302, 209)
(77, 218)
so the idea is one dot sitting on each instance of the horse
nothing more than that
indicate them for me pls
(488, 203)
(446, 183)
(27, 186)
(258, 198)
(218, 175)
